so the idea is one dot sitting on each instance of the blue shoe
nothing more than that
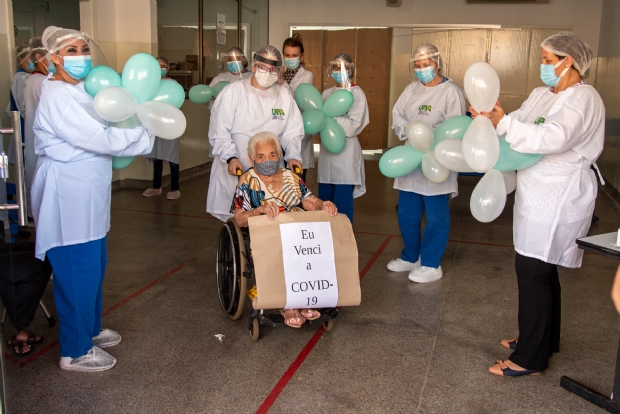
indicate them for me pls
(503, 370)
(510, 343)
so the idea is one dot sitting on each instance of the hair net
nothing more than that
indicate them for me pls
(22, 52)
(428, 51)
(567, 44)
(236, 51)
(55, 37)
(164, 59)
(347, 59)
(268, 52)
(36, 48)
(35, 43)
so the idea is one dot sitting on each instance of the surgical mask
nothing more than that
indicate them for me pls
(337, 75)
(425, 75)
(31, 66)
(235, 67)
(292, 63)
(267, 168)
(164, 72)
(77, 66)
(51, 68)
(266, 79)
(548, 76)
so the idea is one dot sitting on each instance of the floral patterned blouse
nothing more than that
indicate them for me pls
(252, 193)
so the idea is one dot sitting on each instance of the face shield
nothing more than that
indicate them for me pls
(340, 74)
(424, 67)
(71, 45)
(233, 62)
(267, 71)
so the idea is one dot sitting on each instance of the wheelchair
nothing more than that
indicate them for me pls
(235, 272)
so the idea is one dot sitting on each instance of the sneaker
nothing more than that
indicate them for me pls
(106, 339)
(151, 192)
(173, 195)
(425, 274)
(95, 360)
(400, 265)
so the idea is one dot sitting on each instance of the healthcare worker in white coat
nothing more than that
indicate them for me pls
(16, 94)
(294, 75)
(241, 110)
(164, 150)
(341, 176)
(234, 67)
(554, 202)
(431, 100)
(71, 195)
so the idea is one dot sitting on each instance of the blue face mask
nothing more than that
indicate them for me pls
(339, 78)
(267, 168)
(235, 67)
(31, 66)
(548, 76)
(425, 75)
(78, 66)
(51, 68)
(292, 63)
(164, 72)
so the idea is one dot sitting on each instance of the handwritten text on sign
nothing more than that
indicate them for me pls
(309, 265)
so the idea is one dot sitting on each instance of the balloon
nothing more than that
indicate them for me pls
(510, 159)
(433, 170)
(481, 145)
(162, 119)
(118, 163)
(218, 87)
(338, 103)
(171, 92)
(129, 123)
(201, 94)
(332, 136)
(420, 135)
(453, 128)
(115, 104)
(314, 121)
(510, 181)
(481, 86)
(449, 154)
(400, 161)
(100, 77)
(489, 197)
(142, 76)
(308, 97)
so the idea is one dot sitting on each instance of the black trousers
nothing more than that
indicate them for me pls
(158, 168)
(539, 313)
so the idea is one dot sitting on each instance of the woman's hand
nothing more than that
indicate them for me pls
(495, 115)
(330, 208)
(270, 209)
(615, 291)
(292, 163)
(233, 166)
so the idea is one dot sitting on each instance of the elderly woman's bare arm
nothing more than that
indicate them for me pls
(242, 216)
(313, 203)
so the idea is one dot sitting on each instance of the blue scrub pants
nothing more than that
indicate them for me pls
(432, 246)
(339, 194)
(79, 270)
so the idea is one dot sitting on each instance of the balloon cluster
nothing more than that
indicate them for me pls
(318, 116)
(461, 144)
(137, 96)
(201, 94)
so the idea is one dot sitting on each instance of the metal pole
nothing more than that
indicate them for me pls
(200, 42)
(20, 181)
(239, 16)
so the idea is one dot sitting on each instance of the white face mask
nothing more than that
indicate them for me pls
(266, 79)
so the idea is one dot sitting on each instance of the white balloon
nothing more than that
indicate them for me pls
(449, 154)
(510, 179)
(433, 170)
(481, 85)
(481, 145)
(162, 119)
(489, 197)
(115, 104)
(420, 135)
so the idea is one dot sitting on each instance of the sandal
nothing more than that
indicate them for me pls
(22, 349)
(510, 343)
(504, 370)
(311, 314)
(288, 319)
(32, 339)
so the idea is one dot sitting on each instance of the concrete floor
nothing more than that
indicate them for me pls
(408, 347)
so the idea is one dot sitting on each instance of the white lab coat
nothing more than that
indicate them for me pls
(239, 112)
(18, 86)
(348, 166)
(446, 101)
(307, 144)
(226, 77)
(32, 95)
(555, 197)
(71, 190)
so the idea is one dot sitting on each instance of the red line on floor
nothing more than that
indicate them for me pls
(292, 369)
(451, 240)
(137, 293)
(158, 213)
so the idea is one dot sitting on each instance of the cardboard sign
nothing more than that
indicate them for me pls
(275, 274)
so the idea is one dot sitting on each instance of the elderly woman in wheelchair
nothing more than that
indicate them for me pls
(271, 190)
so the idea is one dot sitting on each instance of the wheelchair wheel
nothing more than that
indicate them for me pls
(255, 331)
(231, 265)
(328, 325)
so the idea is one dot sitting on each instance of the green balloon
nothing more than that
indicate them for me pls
(201, 94)
(219, 86)
(118, 163)
(142, 76)
(453, 128)
(100, 77)
(400, 161)
(338, 103)
(510, 160)
(314, 121)
(171, 92)
(308, 97)
(332, 136)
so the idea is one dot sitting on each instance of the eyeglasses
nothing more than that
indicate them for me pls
(265, 69)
